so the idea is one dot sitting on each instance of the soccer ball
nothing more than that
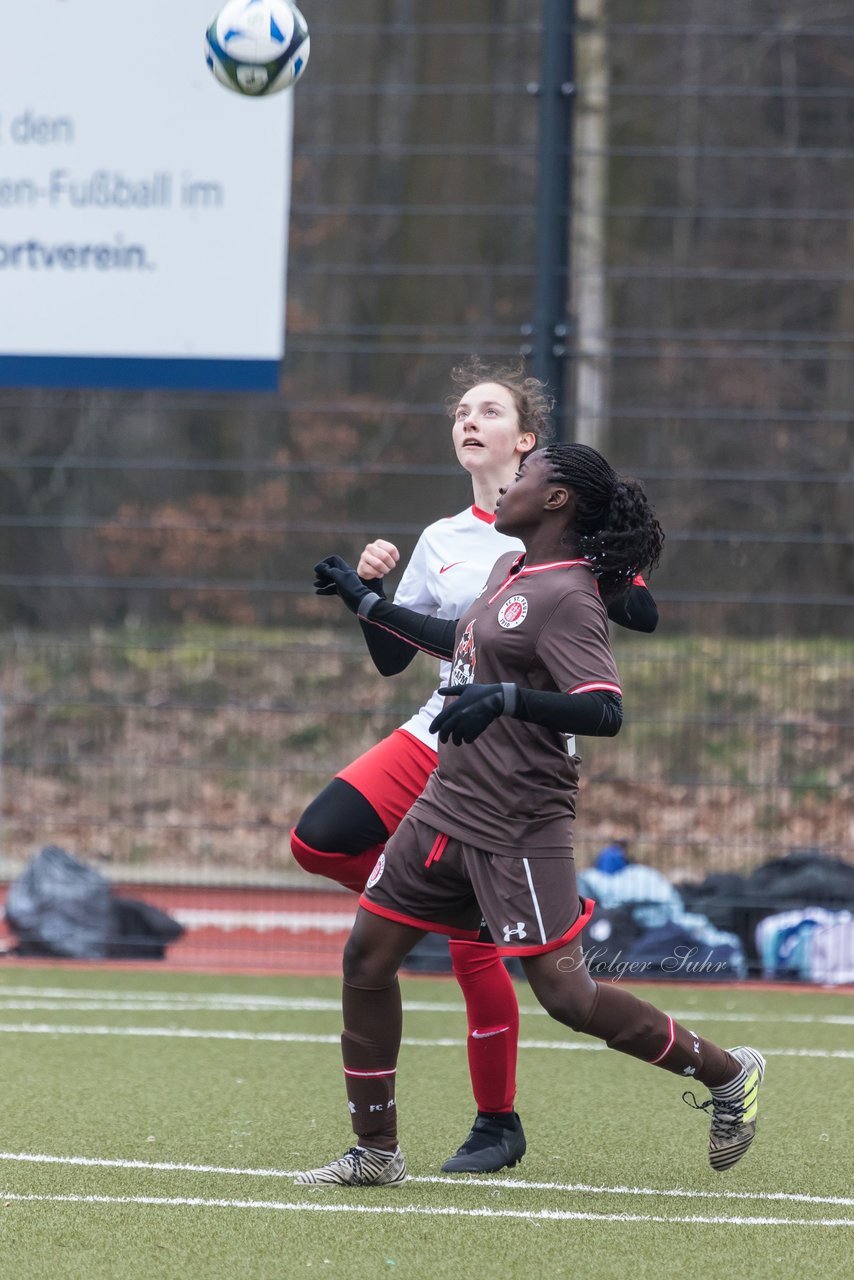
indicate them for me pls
(256, 47)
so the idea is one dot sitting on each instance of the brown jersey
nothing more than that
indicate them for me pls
(512, 790)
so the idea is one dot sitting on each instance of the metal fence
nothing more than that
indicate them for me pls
(172, 693)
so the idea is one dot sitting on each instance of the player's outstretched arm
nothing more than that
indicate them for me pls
(389, 654)
(436, 636)
(596, 714)
(636, 610)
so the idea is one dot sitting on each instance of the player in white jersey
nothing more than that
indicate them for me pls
(499, 418)
(449, 559)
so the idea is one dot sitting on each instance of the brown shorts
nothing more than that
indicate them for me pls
(433, 882)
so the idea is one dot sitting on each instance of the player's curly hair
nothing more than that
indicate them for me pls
(533, 403)
(615, 526)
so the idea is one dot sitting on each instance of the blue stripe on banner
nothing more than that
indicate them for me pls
(138, 373)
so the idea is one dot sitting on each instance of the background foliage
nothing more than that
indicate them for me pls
(711, 320)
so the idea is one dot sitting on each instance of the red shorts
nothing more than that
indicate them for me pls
(392, 775)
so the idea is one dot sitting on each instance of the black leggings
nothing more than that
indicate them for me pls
(340, 820)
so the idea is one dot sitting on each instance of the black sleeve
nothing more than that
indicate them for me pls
(389, 654)
(436, 636)
(591, 715)
(635, 610)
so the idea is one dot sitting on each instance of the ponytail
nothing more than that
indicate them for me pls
(615, 526)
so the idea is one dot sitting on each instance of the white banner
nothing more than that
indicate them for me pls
(143, 206)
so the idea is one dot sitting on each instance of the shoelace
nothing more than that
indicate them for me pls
(363, 1177)
(355, 1155)
(726, 1115)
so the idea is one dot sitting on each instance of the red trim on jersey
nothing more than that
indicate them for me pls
(670, 1043)
(519, 569)
(431, 926)
(556, 564)
(512, 574)
(488, 517)
(572, 932)
(596, 686)
(637, 580)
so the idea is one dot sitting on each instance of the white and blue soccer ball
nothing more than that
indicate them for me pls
(257, 47)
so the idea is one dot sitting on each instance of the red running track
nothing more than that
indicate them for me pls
(288, 931)
(270, 931)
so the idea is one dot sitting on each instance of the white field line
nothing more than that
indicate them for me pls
(186, 1001)
(444, 1211)
(264, 921)
(509, 1184)
(297, 1037)
(154, 1006)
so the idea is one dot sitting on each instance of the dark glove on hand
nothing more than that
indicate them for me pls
(476, 707)
(334, 576)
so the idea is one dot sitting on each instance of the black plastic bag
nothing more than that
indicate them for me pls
(141, 931)
(59, 907)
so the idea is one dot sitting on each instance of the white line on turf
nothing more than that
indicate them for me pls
(297, 1037)
(443, 1211)
(188, 1000)
(264, 921)
(152, 1006)
(490, 1184)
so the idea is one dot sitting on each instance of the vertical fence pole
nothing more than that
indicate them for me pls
(549, 330)
(2, 758)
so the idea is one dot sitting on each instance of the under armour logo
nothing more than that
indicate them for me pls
(519, 931)
(689, 1071)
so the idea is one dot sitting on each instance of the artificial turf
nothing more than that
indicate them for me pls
(239, 1078)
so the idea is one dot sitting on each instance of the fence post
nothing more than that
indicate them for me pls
(2, 758)
(556, 89)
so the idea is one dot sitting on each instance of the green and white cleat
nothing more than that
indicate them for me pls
(733, 1108)
(358, 1167)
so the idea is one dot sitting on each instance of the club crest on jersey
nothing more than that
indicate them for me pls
(379, 868)
(513, 612)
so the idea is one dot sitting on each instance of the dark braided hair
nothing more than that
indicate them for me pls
(615, 526)
(533, 403)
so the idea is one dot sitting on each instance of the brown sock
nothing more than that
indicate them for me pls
(633, 1026)
(370, 1061)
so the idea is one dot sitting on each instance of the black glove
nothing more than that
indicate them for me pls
(334, 576)
(477, 706)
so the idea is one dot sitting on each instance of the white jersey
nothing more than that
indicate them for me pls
(449, 565)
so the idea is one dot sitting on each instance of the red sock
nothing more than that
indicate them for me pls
(493, 1019)
(350, 870)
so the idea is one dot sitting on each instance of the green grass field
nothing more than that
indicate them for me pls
(153, 1121)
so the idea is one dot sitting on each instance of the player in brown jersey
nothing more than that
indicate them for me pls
(499, 416)
(491, 835)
